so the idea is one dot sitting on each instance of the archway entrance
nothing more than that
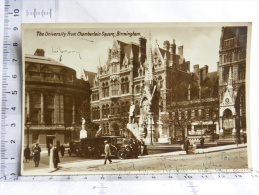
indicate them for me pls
(228, 122)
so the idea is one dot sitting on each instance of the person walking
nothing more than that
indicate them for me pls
(202, 139)
(55, 157)
(27, 153)
(51, 164)
(135, 150)
(36, 154)
(107, 151)
(142, 147)
(62, 151)
(186, 145)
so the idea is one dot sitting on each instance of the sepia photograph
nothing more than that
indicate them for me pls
(135, 98)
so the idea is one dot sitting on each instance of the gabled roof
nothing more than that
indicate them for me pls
(90, 77)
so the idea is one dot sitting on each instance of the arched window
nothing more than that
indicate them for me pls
(137, 89)
(103, 111)
(137, 110)
(107, 89)
(122, 85)
(225, 74)
(112, 109)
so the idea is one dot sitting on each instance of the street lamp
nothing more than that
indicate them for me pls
(72, 131)
(151, 133)
(28, 125)
(214, 119)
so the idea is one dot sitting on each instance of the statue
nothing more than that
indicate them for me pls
(99, 132)
(83, 132)
(83, 123)
(132, 113)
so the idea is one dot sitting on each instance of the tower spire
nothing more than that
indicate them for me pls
(149, 61)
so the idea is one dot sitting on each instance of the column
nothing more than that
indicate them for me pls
(73, 111)
(221, 131)
(56, 107)
(28, 103)
(42, 107)
(61, 108)
(234, 125)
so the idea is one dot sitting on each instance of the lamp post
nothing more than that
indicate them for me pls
(214, 119)
(151, 133)
(72, 131)
(28, 125)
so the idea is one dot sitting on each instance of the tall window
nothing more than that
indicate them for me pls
(241, 72)
(49, 108)
(106, 110)
(95, 96)
(225, 74)
(105, 89)
(125, 85)
(67, 110)
(137, 110)
(115, 87)
(112, 109)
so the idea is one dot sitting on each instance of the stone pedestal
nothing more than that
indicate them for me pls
(134, 129)
(164, 140)
(83, 134)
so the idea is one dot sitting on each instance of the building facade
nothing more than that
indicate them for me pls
(232, 75)
(53, 97)
(172, 102)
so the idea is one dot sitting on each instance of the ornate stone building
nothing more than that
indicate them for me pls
(171, 101)
(53, 96)
(232, 75)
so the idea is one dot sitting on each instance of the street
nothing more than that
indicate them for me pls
(231, 159)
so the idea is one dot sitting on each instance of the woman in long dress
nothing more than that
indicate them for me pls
(51, 164)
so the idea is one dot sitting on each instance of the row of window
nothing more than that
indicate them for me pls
(231, 57)
(195, 114)
(113, 109)
(240, 74)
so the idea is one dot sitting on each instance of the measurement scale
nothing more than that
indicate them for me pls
(11, 102)
(11, 89)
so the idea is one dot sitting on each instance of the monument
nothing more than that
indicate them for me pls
(83, 132)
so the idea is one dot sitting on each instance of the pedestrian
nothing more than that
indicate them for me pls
(132, 148)
(202, 139)
(49, 146)
(142, 147)
(145, 131)
(186, 145)
(135, 148)
(27, 153)
(55, 157)
(107, 151)
(62, 151)
(51, 164)
(36, 154)
(236, 139)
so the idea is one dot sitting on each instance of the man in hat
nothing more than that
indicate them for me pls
(36, 154)
(107, 151)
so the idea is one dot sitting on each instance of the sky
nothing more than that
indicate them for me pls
(201, 44)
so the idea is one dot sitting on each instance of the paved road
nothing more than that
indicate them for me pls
(232, 159)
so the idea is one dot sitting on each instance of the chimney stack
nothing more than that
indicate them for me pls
(180, 50)
(166, 45)
(196, 69)
(39, 52)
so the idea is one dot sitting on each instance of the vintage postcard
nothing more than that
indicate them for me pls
(135, 98)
